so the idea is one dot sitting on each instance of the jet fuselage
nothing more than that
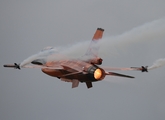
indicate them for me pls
(82, 71)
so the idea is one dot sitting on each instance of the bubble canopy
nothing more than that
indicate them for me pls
(47, 48)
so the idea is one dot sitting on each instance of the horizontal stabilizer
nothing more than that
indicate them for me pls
(120, 75)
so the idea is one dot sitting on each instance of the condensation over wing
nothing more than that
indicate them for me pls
(94, 46)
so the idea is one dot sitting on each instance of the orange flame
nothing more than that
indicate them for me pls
(97, 74)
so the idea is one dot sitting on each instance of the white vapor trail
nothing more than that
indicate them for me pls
(158, 63)
(148, 32)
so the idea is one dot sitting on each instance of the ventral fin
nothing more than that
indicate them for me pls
(75, 83)
(89, 84)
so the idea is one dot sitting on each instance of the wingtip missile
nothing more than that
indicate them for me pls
(15, 65)
(142, 68)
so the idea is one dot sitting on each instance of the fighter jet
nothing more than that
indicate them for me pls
(85, 69)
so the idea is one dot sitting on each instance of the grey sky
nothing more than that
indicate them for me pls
(28, 26)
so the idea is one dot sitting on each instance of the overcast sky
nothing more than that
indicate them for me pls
(134, 35)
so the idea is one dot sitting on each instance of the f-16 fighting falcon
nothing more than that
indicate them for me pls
(85, 69)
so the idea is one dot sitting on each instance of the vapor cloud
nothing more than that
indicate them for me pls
(158, 63)
(147, 32)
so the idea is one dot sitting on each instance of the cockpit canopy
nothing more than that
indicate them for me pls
(47, 48)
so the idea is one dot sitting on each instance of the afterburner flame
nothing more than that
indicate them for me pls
(97, 74)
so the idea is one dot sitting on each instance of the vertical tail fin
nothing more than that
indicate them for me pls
(98, 34)
(94, 47)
